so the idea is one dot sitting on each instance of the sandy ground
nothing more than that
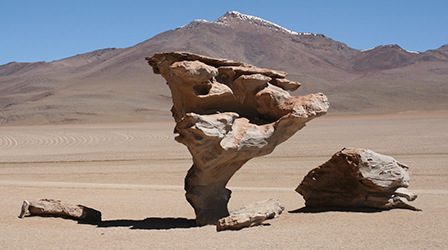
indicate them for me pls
(133, 173)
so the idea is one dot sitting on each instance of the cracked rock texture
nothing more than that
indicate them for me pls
(358, 178)
(228, 112)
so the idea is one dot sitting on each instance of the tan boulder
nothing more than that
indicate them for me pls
(358, 178)
(228, 112)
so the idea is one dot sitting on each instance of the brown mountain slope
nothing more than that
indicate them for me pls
(117, 85)
(381, 58)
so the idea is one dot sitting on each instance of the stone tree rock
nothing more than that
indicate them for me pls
(228, 112)
(51, 207)
(358, 178)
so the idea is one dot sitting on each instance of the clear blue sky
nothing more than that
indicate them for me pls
(47, 30)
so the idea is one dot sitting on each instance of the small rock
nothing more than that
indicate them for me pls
(60, 209)
(251, 215)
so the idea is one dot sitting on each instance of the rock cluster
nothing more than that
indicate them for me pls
(228, 112)
(51, 207)
(358, 178)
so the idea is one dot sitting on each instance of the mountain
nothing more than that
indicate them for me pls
(117, 85)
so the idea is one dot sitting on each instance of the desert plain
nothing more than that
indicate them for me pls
(133, 173)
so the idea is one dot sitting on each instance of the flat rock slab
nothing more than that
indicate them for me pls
(51, 207)
(358, 178)
(251, 215)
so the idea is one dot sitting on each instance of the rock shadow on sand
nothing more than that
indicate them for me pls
(151, 223)
(337, 209)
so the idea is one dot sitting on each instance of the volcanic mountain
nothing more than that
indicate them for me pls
(117, 85)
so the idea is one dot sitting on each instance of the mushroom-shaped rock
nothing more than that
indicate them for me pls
(228, 112)
(358, 178)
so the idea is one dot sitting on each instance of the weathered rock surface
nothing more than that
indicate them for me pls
(251, 215)
(59, 208)
(228, 112)
(358, 178)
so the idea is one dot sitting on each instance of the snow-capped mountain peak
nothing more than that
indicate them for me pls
(232, 15)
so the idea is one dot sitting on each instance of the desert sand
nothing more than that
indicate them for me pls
(133, 173)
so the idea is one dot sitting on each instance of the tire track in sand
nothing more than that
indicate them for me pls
(7, 142)
(60, 138)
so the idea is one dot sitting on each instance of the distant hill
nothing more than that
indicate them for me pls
(117, 85)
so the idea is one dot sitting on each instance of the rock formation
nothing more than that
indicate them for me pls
(358, 178)
(251, 215)
(228, 112)
(50, 207)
